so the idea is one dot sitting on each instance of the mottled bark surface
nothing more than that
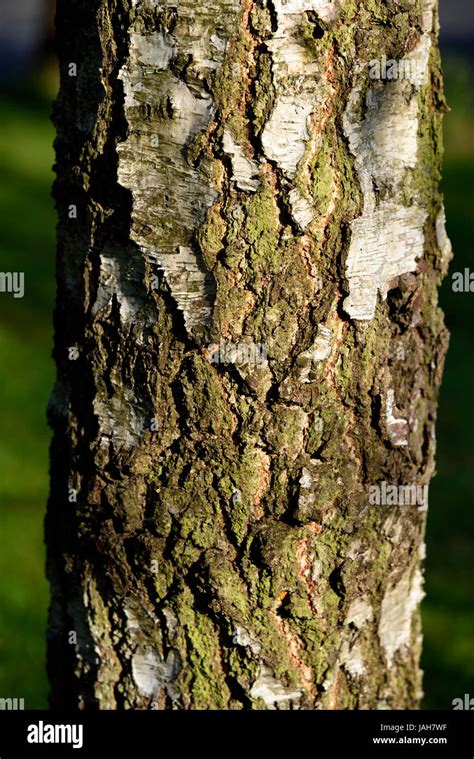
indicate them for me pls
(241, 180)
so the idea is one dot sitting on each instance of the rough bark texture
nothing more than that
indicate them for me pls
(240, 179)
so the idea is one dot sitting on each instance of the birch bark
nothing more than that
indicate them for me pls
(249, 346)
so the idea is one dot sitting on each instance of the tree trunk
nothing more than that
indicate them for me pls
(249, 351)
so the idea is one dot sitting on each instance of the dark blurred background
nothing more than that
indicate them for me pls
(28, 83)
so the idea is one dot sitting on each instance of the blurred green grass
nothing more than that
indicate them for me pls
(26, 244)
(448, 610)
(26, 378)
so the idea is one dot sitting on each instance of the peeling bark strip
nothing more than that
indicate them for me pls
(388, 239)
(170, 195)
(242, 182)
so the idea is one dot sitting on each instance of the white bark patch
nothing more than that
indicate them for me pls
(155, 50)
(422, 552)
(385, 143)
(398, 606)
(287, 132)
(241, 637)
(444, 243)
(317, 570)
(327, 10)
(306, 494)
(289, 11)
(171, 622)
(146, 673)
(385, 243)
(301, 210)
(322, 348)
(113, 281)
(306, 479)
(170, 196)
(152, 674)
(417, 62)
(353, 661)
(427, 15)
(295, 76)
(189, 284)
(121, 422)
(359, 613)
(245, 171)
(397, 428)
(388, 239)
(320, 351)
(272, 692)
